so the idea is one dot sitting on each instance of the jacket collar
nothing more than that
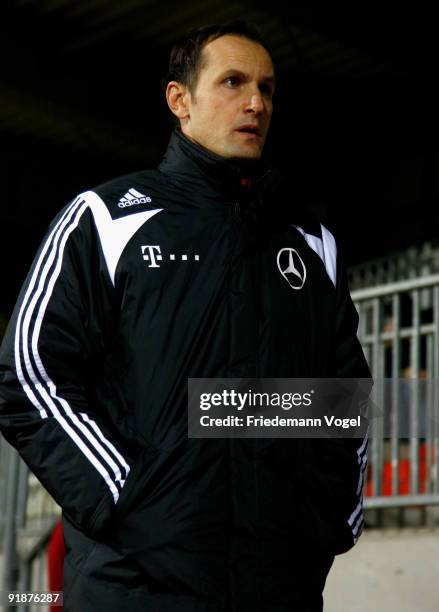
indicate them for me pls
(189, 162)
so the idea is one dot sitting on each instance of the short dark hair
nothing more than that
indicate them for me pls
(184, 61)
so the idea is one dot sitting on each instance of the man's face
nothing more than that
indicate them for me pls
(233, 94)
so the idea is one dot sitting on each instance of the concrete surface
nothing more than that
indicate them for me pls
(388, 570)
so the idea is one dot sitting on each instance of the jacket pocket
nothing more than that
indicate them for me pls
(108, 514)
(136, 481)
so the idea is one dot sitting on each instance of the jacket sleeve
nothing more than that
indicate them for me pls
(345, 459)
(336, 488)
(48, 359)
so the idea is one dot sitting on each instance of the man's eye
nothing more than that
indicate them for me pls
(266, 90)
(231, 81)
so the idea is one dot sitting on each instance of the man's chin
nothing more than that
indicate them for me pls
(246, 154)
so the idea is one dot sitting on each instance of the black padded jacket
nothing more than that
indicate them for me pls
(140, 284)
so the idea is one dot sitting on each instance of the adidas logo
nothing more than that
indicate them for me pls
(132, 198)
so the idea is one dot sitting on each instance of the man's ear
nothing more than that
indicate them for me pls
(178, 97)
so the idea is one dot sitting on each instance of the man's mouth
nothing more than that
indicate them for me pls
(249, 130)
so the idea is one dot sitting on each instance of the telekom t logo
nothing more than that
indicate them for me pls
(153, 253)
(149, 254)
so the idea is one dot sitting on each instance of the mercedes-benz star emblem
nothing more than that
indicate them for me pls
(291, 267)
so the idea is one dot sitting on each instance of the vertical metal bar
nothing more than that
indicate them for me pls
(22, 493)
(414, 396)
(44, 577)
(368, 353)
(377, 424)
(381, 378)
(362, 314)
(40, 504)
(33, 575)
(393, 271)
(435, 386)
(9, 536)
(429, 414)
(22, 489)
(396, 301)
(362, 332)
(39, 560)
(3, 481)
(24, 583)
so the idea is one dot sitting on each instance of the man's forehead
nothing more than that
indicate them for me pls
(238, 53)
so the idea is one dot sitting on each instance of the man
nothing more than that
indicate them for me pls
(171, 274)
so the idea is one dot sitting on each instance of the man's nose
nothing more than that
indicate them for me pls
(255, 103)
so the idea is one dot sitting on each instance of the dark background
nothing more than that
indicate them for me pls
(355, 122)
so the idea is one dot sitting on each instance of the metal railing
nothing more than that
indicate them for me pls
(399, 332)
(28, 516)
(414, 262)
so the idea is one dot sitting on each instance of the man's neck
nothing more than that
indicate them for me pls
(245, 166)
